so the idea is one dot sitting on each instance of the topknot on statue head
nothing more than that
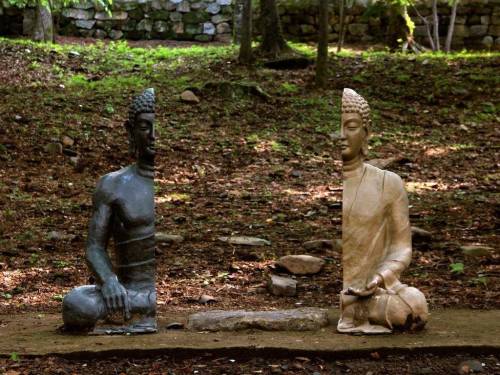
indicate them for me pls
(352, 102)
(144, 103)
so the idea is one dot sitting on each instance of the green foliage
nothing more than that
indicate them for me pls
(457, 268)
(14, 357)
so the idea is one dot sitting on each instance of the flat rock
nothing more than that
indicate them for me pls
(301, 264)
(318, 244)
(162, 237)
(189, 97)
(245, 240)
(303, 319)
(419, 234)
(282, 286)
(477, 250)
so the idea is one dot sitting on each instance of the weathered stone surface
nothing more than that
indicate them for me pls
(461, 31)
(170, 6)
(208, 28)
(83, 5)
(282, 286)
(485, 20)
(189, 97)
(157, 4)
(223, 28)
(175, 17)
(160, 26)
(198, 6)
(195, 17)
(183, 7)
(307, 29)
(85, 24)
(213, 8)
(245, 240)
(78, 14)
(420, 235)
(495, 20)
(301, 264)
(488, 41)
(218, 18)
(114, 16)
(145, 25)
(224, 2)
(100, 34)
(358, 29)
(304, 319)
(203, 38)
(494, 30)
(478, 30)
(67, 141)
(318, 244)
(165, 238)
(115, 34)
(178, 27)
(477, 250)
(28, 21)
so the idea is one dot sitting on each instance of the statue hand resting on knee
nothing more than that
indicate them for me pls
(376, 237)
(124, 211)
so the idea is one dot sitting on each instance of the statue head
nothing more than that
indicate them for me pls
(355, 127)
(140, 125)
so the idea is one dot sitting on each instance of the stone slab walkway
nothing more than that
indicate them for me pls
(448, 330)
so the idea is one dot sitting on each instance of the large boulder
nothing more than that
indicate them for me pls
(303, 319)
(301, 264)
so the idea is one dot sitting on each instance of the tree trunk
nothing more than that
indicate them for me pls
(435, 19)
(43, 30)
(342, 26)
(322, 55)
(245, 56)
(273, 42)
(451, 26)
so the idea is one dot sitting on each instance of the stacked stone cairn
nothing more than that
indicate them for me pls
(200, 20)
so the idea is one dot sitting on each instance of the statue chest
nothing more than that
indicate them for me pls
(134, 203)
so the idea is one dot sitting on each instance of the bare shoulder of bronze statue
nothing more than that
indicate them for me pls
(124, 297)
(376, 236)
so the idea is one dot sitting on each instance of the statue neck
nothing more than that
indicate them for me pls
(352, 168)
(145, 168)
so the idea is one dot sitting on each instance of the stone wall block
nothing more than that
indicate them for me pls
(170, 6)
(78, 14)
(494, 30)
(461, 31)
(485, 20)
(198, 6)
(85, 24)
(307, 29)
(183, 7)
(495, 20)
(28, 21)
(420, 31)
(178, 28)
(460, 20)
(478, 30)
(114, 16)
(223, 38)
(192, 29)
(83, 5)
(160, 27)
(208, 28)
(224, 2)
(175, 17)
(218, 18)
(100, 34)
(223, 28)
(116, 34)
(213, 8)
(145, 25)
(357, 29)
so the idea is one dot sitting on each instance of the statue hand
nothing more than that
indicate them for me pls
(375, 282)
(370, 288)
(115, 296)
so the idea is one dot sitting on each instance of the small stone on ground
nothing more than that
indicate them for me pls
(282, 286)
(301, 264)
(245, 240)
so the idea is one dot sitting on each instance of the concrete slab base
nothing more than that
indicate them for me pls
(448, 330)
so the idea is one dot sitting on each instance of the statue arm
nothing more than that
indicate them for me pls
(399, 253)
(99, 233)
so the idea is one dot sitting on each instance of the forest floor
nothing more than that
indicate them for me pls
(242, 163)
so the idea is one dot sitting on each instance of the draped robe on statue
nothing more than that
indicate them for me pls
(376, 240)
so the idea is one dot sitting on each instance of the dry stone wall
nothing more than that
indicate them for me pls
(477, 23)
(201, 20)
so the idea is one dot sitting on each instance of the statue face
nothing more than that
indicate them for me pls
(353, 136)
(144, 136)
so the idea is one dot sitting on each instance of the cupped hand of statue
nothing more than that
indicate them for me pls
(370, 288)
(115, 296)
(374, 283)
